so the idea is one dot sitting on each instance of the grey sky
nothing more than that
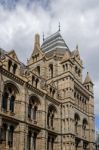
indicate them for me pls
(79, 19)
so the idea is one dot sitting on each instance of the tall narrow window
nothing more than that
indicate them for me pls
(12, 99)
(38, 70)
(29, 111)
(14, 68)
(37, 80)
(33, 79)
(29, 141)
(50, 142)
(9, 96)
(50, 116)
(4, 101)
(10, 138)
(48, 119)
(84, 124)
(33, 107)
(4, 128)
(76, 118)
(51, 70)
(9, 65)
(34, 113)
(63, 67)
(76, 124)
(34, 141)
(52, 119)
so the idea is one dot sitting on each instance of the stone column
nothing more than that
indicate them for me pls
(7, 136)
(32, 113)
(8, 104)
(14, 140)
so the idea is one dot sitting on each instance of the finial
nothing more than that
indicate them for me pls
(77, 47)
(59, 26)
(43, 37)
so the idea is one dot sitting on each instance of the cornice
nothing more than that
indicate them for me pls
(11, 76)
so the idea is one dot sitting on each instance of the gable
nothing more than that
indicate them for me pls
(13, 55)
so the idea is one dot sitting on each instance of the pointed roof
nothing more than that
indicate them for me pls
(88, 79)
(13, 55)
(55, 41)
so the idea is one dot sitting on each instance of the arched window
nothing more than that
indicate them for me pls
(10, 93)
(51, 70)
(14, 68)
(7, 131)
(31, 140)
(33, 107)
(50, 142)
(76, 118)
(9, 65)
(50, 116)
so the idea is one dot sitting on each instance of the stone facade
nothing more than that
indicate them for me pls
(45, 105)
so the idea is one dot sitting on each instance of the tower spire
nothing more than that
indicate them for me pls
(59, 27)
(77, 47)
(43, 37)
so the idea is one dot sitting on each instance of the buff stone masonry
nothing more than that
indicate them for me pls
(45, 105)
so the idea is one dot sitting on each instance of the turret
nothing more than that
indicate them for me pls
(88, 83)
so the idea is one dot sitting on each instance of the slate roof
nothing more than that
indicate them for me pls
(55, 41)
